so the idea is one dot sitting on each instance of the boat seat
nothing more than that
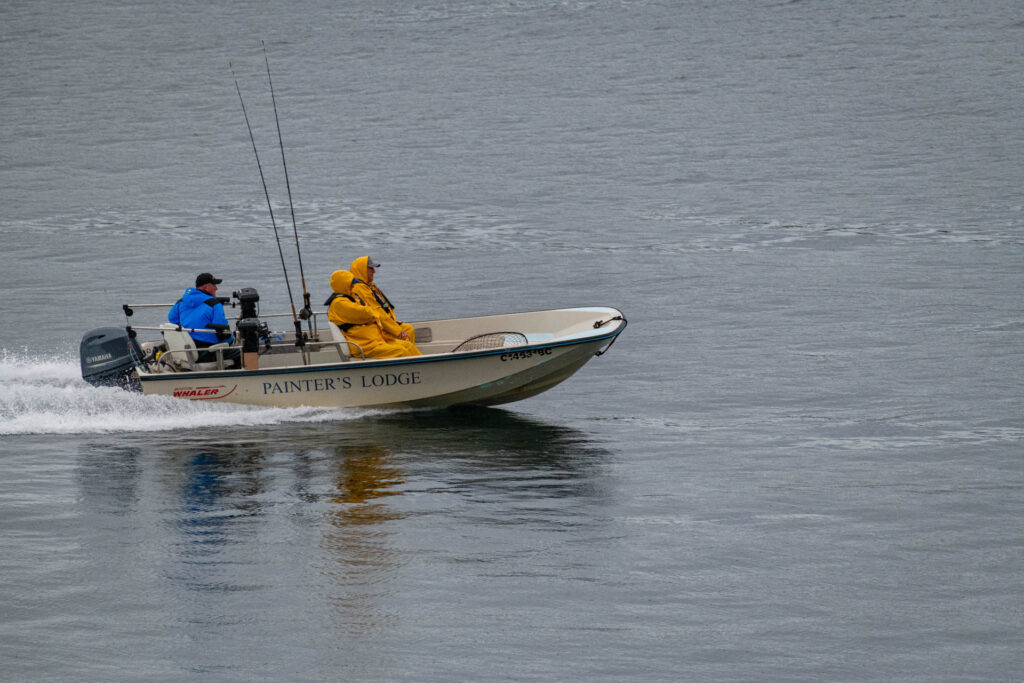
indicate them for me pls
(342, 343)
(183, 353)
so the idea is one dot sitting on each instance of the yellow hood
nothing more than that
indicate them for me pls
(341, 281)
(359, 269)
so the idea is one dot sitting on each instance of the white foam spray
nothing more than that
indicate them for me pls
(49, 396)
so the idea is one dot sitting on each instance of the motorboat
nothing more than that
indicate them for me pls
(481, 360)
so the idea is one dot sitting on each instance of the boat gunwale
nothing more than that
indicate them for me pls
(384, 362)
(608, 309)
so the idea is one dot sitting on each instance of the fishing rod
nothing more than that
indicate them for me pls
(307, 312)
(299, 340)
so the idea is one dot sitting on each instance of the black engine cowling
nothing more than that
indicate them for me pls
(109, 357)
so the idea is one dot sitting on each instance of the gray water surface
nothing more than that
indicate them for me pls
(801, 461)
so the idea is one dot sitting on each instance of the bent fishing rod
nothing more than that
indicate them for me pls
(299, 340)
(307, 312)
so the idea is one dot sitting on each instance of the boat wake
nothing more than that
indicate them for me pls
(47, 396)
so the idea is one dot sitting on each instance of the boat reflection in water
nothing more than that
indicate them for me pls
(246, 524)
(412, 487)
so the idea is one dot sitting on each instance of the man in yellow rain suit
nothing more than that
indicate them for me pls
(363, 268)
(376, 335)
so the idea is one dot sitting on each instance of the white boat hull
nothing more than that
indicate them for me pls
(559, 343)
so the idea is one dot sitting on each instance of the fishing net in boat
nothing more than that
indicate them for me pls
(492, 340)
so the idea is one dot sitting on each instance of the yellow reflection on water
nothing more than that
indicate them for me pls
(364, 473)
(365, 561)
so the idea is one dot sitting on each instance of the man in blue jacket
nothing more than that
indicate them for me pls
(196, 309)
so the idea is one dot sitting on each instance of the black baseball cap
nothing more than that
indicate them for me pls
(207, 279)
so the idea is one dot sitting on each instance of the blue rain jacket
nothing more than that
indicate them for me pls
(196, 308)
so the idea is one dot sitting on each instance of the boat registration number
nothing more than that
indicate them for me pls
(522, 355)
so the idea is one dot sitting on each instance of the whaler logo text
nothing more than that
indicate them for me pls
(201, 392)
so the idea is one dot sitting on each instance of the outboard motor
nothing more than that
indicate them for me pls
(109, 356)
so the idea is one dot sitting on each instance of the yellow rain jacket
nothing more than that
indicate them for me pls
(361, 323)
(375, 299)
